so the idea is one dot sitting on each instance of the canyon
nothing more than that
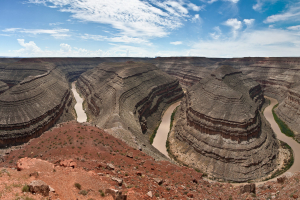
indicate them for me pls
(126, 97)
(221, 131)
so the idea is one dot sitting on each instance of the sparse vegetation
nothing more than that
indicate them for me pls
(283, 127)
(25, 188)
(102, 193)
(83, 192)
(289, 163)
(78, 186)
(154, 133)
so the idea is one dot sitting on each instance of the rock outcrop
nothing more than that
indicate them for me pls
(221, 130)
(279, 78)
(33, 106)
(3, 87)
(130, 96)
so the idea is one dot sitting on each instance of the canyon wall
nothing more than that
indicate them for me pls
(130, 96)
(33, 106)
(279, 78)
(221, 131)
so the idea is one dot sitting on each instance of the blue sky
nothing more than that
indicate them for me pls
(149, 28)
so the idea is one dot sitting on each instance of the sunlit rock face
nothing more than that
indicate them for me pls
(221, 130)
(278, 77)
(33, 106)
(130, 96)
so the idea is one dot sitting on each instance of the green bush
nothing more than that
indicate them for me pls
(154, 134)
(25, 188)
(283, 127)
(83, 192)
(102, 193)
(78, 186)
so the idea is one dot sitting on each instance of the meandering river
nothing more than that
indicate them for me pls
(161, 137)
(293, 144)
(81, 115)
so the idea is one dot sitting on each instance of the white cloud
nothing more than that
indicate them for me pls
(232, 1)
(30, 48)
(133, 18)
(55, 24)
(196, 18)
(56, 33)
(249, 22)
(294, 28)
(124, 39)
(235, 25)
(292, 14)
(260, 3)
(262, 43)
(11, 29)
(176, 43)
(195, 7)
(216, 35)
(65, 47)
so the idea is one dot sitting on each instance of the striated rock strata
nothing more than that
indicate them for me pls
(3, 87)
(33, 106)
(130, 96)
(279, 78)
(221, 130)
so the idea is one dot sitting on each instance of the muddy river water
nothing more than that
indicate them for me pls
(293, 144)
(163, 130)
(160, 139)
(81, 115)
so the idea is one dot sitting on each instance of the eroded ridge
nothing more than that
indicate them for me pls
(130, 96)
(33, 106)
(221, 130)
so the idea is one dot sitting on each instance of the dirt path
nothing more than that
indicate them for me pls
(160, 139)
(293, 144)
(81, 116)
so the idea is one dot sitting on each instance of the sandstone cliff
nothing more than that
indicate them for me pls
(32, 106)
(279, 78)
(130, 96)
(221, 130)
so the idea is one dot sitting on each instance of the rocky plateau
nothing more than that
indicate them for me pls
(219, 126)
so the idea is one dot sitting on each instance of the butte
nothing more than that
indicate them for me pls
(221, 130)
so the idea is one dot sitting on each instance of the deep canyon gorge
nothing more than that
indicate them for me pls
(219, 126)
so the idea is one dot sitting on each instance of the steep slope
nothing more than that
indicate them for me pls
(32, 106)
(221, 131)
(279, 78)
(130, 96)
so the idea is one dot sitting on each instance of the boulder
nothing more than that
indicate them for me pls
(281, 179)
(39, 187)
(119, 180)
(150, 194)
(110, 166)
(159, 181)
(116, 194)
(249, 188)
(68, 163)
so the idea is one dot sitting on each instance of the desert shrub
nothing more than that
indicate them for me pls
(78, 186)
(83, 192)
(25, 188)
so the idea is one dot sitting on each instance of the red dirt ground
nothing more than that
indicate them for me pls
(92, 149)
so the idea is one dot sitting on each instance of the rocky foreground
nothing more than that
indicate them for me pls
(76, 161)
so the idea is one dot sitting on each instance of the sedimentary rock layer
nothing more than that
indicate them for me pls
(3, 87)
(221, 127)
(279, 78)
(129, 95)
(32, 106)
